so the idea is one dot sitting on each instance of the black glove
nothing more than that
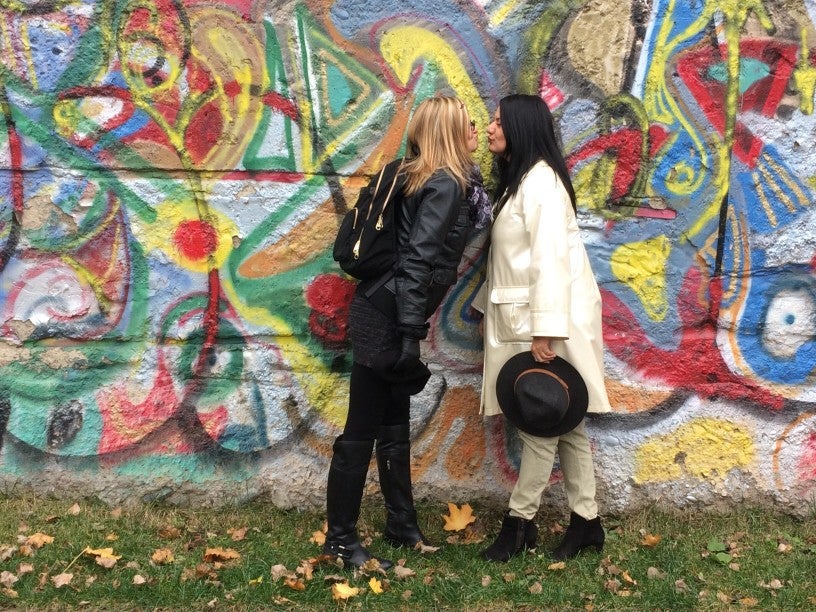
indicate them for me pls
(409, 355)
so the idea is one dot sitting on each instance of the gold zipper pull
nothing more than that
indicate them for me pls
(356, 250)
(379, 224)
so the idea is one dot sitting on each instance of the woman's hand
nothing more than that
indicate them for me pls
(540, 348)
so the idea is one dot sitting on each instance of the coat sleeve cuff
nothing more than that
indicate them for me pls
(549, 325)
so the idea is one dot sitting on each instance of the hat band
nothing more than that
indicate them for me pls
(548, 373)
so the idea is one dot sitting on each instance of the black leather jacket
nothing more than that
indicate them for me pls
(433, 228)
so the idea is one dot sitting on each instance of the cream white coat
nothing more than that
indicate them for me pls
(540, 283)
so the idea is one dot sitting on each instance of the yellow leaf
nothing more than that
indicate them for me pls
(162, 556)
(60, 580)
(111, 537)
(10, 593)
(37, 540)
(628, 578)
(221, 554)
(318, 537)
(101, 552)
(257, 580)
(557, 566)
(459, 518)
(341, 591)
(375, 586)
(650, 540)
(116, 512)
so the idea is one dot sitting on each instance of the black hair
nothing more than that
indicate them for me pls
(529, 131)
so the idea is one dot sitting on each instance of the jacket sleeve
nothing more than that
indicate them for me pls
(543, 208)
(435, 216)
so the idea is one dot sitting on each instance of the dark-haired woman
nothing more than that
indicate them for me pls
(540, 295)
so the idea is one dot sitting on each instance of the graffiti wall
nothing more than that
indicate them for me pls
(172, 174)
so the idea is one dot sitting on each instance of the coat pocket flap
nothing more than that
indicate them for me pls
(510, 295)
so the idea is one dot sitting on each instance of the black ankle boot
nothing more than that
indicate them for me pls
(516, 535)
(344, 492)
(580, 534)
(394, 464)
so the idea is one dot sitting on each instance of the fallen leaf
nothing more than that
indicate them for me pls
(221, 554)
(406, 595)
(486, 580)
(295, 584)
(116, 512)
(680, 586)
(305, 569)
(106, 562)
(60, 580)
(10, 593)
(74, 510)
(237, 534)
(655, 573)
(748, 602)
(132, 565)
(400, 572)
(162, 556)
(90, 580)
(559, 565)
(459, 518)
(627, 578)
(139, 579)
(774, 584)
(25, 568)
(613, 585)
(784, 548)
(26, 550)
(375, 586)
(6, 552)
(169, 532)
(111, 537)
(650, 540)
(7, 579)
(509, 577)
(723, 597)
(38, 540)
(104, 556)
(734, 566)
(536, 588)
(212, 602)
(278, 571)
(423, 548)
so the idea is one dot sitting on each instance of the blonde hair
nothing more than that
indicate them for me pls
(438, 139)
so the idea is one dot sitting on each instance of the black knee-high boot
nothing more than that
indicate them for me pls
(394, 464)
(344, 493)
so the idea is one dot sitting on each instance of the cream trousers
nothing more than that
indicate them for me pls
(537, 458)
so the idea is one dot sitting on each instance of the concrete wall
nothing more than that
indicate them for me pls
(171, 175)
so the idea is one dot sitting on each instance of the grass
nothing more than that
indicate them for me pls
(750, 558)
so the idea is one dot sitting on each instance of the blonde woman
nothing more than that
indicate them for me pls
(388, 318)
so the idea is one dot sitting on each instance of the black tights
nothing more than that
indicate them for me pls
(373, 403)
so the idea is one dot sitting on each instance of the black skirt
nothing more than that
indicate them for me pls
(372, 333)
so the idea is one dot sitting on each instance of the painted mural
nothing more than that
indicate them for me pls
(171, 178)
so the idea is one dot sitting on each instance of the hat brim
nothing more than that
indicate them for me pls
(578, 394)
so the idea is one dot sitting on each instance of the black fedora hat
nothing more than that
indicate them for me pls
(542, 399)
